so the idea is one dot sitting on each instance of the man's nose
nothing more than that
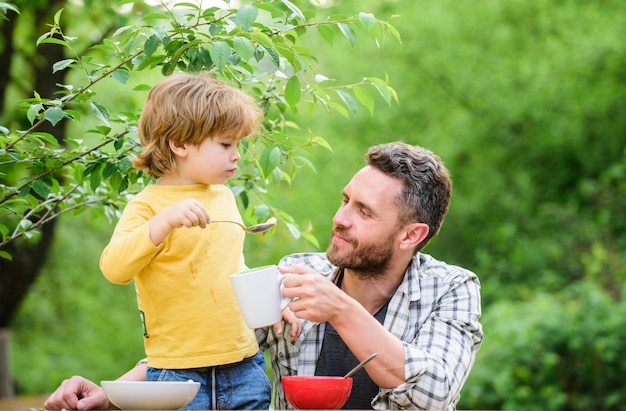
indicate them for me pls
(341, 217)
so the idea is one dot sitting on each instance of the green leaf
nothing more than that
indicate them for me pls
(367, 20)
(394, 32)
(123, 185)
(262, 212)
(341, 109)
(109, 170)
(8, 6)
(220, 52)
(272, 54)
(284, 177)
(5, 255)
(293, 93)
(52, 40)
(142, 87)
(25, 224)
(364, 97)
(294, 9)
(384, 92)
(121, 30)
(151, 45)
(202, 59)
(73, 114)
(322, 142)
(262, 38)
(115, 181)
(270, 158)
(347, 32)
(101, 112)
(304, 162)
(24, 190)
(243, 47)
(121, 75)
(125, 165)
(33, 111)
(47, 137)
(215, 29)
(277, 174)
(293, 229)
(57, 17)
(41, 188)
(54, 115)
(193, 6)
(326, 33)
(96, 177)
(79, 171)
(246, 16)
(348, 100)
(384, 89)
(311, 239)
(62, 65)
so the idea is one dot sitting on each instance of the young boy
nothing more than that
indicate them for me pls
(190, 128)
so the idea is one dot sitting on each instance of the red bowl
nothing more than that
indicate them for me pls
(316, 392)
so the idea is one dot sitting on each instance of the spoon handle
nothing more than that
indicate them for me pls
(360, 365)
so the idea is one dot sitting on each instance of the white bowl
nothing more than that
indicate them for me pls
(150, 395)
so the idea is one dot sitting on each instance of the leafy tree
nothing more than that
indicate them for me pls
(564, 355)
(260, 47)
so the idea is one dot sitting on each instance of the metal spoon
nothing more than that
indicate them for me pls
(253, 229)
(360, 365)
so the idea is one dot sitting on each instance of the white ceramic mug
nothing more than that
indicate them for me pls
(257, 291)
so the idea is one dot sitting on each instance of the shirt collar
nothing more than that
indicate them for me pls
(411, 282)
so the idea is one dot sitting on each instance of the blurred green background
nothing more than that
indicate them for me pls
(525, 101)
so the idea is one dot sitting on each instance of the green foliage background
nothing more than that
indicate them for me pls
(525, 100)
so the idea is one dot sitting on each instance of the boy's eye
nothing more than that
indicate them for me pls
(230, 143)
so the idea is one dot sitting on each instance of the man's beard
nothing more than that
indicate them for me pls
(366, 260)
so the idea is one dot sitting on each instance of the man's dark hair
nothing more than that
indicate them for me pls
(427, 185)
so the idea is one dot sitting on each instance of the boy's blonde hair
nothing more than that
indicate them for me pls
(187, 109)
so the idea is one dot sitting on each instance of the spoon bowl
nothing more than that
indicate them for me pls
(253, 229)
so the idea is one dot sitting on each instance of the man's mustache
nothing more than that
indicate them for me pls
(343, 233)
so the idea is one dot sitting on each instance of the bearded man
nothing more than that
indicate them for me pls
(378, 293)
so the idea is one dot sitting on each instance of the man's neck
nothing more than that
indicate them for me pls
(373, 292)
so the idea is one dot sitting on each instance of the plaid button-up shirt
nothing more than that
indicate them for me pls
(434, 311)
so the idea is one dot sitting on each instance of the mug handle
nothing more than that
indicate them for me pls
(284, 301)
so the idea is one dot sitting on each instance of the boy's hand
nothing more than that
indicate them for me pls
(296, 324)
(187, 213)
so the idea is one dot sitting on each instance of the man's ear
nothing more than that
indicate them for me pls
(179, 149)
(413, 234)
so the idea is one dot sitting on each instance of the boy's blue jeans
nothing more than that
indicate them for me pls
(240, 386)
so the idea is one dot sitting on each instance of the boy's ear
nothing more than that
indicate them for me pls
(179, 149)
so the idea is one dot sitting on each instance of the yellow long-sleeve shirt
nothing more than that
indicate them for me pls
(185, 299)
